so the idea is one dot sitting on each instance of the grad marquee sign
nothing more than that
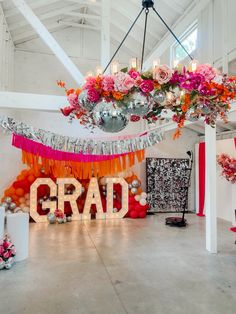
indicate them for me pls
(93, 197)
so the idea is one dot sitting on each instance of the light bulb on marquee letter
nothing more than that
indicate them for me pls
(125, 198)
(72, 198)
(52, 205)
(93, 197)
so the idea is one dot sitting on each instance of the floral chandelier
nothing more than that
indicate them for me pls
(110, 101)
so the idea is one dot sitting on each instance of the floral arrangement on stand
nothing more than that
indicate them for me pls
(110, 101)
(7, 253)
(228, 165)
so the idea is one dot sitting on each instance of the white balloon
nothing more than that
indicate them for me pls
(143, 202)
(137, 198)
(144, 195)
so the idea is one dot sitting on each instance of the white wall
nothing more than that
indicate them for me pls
(6, 55)
(224, 188)
(10, 157)
(37, 69)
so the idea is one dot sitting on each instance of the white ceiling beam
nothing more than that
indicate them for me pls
(190, 15)
(85, 16)
(33, 4)
(31, 101)
(105, 34)
(173, 5)
(29, 35)
(125, 11)
(88, 2)
(48, 15)
(74, 24)
(49, 40)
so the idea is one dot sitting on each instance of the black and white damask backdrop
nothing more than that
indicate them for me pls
(167, 182)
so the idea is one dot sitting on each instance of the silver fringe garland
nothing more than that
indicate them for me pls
(81, 145)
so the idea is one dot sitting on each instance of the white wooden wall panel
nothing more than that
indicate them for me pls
(6, 55)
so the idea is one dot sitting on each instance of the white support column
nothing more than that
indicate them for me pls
(48, 39)
(105, 34)
(210, 190)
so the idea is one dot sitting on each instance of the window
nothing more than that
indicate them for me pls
(189, 41)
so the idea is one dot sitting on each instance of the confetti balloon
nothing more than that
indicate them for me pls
(109, 118)
(12, 206)
(134, 190)
(51, 218)
(138, 105)
(144, 195)
(143, 202)
(135, 183)
(8, 200)
(84, 103)
(18, 210)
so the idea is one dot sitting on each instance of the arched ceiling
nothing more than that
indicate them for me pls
(57, 15)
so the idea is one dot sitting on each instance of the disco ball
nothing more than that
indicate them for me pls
(139, 105)
(108, 117)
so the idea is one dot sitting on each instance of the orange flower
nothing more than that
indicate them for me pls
(105, 94)
(117, 95)
(61, 83)
(78, 91)
(184, 108)
(156, 85)
(79, 114)
(70, 91)
(176, 134)
(98, 84)
(187, 99)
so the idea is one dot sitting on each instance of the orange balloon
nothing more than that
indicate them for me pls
(11, 190)
(22, 200)
(31, 171)
(31, 178)
(24, 173)
(20, 177)
(20, 192)
(139, 191)
(7, 192)
(14, 197)
(129, 180)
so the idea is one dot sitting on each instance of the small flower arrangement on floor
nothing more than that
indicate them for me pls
(228, 165)
(7, 253)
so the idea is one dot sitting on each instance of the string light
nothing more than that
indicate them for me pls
(52, 205)
(71, 198)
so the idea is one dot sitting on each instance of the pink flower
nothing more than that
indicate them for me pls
(6, 245)
(73, 100)
(162, 74)
(146, 86)
(123, 82)
(6, 255)
(206, 71)
(90, 82)
(93, 95)
(134, 74)
(108, 83)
